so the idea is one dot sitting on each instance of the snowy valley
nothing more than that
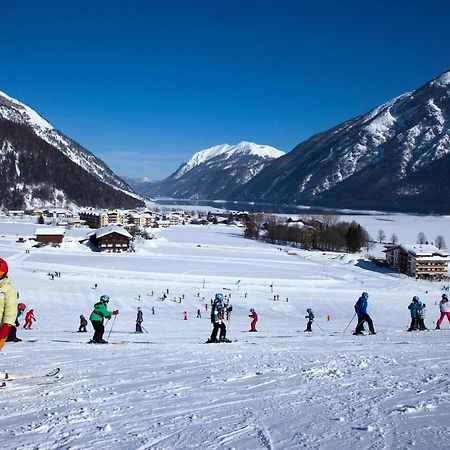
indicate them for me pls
(279, 388)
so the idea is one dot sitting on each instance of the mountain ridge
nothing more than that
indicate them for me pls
(395, 140)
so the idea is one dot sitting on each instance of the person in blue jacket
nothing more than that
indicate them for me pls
(414, 308)
(363, 316)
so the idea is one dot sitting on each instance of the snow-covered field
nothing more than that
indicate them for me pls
(279, 388)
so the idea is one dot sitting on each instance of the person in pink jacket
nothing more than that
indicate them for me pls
(444, 307)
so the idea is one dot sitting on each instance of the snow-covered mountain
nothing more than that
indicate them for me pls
(212, 173)
(36, 175)
(395, 157)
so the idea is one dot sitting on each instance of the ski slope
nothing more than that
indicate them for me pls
(279, 388)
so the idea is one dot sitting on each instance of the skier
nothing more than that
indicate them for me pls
(217, 311)
(254, 317)
(29, 319)
(98, 314)
(199, 314)
(310, 318)
(414, 309)
(421, 316)
(8, 303)
(139, 320)
(444, 308)
(12, 337)
(83, 325)
(363, 316)
(153, 310)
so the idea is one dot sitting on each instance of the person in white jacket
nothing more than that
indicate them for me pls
(444, 308)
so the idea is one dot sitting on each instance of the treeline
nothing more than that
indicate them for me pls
(326, 233)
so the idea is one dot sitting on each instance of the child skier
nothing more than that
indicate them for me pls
(12, 337)
(217, 314)
(444, 308)
(254, 316)
(414, 309)
(98, 314)
(139, 320)
(8, 303)
(421, 317)
(29, 318)
(310, 318)
(83, 325)
(363, 316)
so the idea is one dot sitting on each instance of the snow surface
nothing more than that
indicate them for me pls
(279, 388)
(243, 148)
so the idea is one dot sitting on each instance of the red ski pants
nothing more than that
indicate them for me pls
(443, 314)
(28, 324)
(253, 324)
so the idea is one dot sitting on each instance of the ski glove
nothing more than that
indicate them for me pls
(115, 312)
(4, 332)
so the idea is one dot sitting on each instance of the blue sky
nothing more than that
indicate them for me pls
(145, 84)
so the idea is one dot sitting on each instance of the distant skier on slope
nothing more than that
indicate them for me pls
(310, 318)
(421, 316)
(139, 320)
(414, 309)
(8, 303)
(217, 313)
(444, 308)
(254, 316)
(98, 314)
(29, 318)
(83, 324)
(361, 310)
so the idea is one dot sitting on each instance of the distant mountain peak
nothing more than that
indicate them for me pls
(226, 151)
(214, 172)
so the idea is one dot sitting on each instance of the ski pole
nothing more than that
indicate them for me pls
(142, 326)
(112, 326)
(349, 323)
(320, 328)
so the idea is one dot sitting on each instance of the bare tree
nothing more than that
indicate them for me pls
(421, 238)
(381, 236)
(394, 238)
(440, 242)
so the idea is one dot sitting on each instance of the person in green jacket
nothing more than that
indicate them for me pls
(100, 312)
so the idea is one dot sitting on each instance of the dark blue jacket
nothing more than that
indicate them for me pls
(361, 306)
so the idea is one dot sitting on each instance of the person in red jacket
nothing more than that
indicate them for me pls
(29, 319)
(254, 317)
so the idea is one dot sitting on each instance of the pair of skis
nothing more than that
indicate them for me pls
(34, 377)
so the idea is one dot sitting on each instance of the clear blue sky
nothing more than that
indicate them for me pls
(144, 84)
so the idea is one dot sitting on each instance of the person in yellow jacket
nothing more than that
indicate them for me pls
(8, 303)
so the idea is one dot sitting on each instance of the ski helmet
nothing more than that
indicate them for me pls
(252, 310)
(309, 310)
(21, 307)
(445, 296)
(218, 297)
(104, 298)
(3, 268)
(139, 308)
(365, 295)
(416, 299)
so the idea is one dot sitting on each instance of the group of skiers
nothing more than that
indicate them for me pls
(11, 310)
